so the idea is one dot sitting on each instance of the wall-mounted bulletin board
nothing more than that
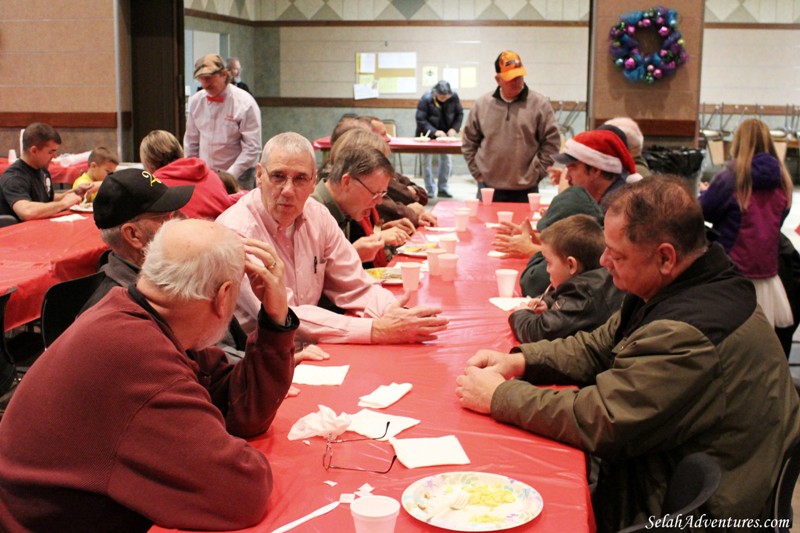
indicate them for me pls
(395, 72)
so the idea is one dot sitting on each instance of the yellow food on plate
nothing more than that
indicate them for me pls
(383, 273)
(376, 273)
(489, 495)
(415, 248)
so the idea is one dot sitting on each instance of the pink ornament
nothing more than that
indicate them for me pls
(630, 63)
(631, 30)
(663, 31)
(662, 53)
(650, 68)
(657, 73)
(646, 23)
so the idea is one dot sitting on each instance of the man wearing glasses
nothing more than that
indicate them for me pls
(356, 184)
(319, 260)
(223, 127)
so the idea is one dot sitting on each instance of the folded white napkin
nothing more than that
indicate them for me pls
(495, 253)
(493, 225)
(442, 229)
(68, 218)
(438, 238)
(322, 423)
(306, 374)
(384, 396)
(507, 304)
(415, 453)
(373, 424)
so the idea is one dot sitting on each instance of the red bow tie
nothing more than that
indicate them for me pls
(215, 98)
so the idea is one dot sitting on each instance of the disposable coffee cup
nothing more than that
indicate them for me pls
(472, 205)
(505, 216)
(462, 218)
(487, 193)
(12, 156)
(410, 273)
(375, 514)
(506, 278)
(535, 201)
(448, 242)
(433, 260)
(447, 266)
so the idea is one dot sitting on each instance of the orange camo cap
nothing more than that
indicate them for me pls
(509, 66)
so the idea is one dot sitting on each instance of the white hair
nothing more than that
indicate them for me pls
(632, 132)
(290, 142)
(193, 277)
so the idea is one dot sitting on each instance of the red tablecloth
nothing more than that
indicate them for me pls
(555, 470)
(405, 145)
(59, 174)
(40, 253)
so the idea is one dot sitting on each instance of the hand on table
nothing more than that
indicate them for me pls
(312, 352)
(428, 220)
(406, 326)
(266, 278)
(439, 133)
(452, 133)
(368, 247)
(485, 371)
(537, 305)
(402, 223)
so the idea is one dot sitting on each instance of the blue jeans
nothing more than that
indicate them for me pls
(445, 163)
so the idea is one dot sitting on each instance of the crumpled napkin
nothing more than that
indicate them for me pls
(493, 225)
(373, 424)
(306, 374)
(495, 253)
(507, 304)
(322, 423)
(416, 453)
(384, 396)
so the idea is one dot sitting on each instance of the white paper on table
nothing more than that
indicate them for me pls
(441, 229)
(68, 218)
(373, 424)
(493, 225)
(416, 453)
(306, 374)
(495, 253)
(438, 238)
(384, 396)
(507, 304)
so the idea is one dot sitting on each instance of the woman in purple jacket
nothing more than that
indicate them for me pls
(747, 203)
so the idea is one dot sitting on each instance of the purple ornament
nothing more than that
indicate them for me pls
(630, 63)
(646, 23)
(663, 31)
(660, 20)
(657, 73)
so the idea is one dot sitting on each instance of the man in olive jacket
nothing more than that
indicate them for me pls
(688, 364)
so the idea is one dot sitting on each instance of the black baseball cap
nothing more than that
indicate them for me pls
(129, 193)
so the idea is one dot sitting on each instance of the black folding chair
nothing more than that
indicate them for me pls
(8, 370)
(63, 302)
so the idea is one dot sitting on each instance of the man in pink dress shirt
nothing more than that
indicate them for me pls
(319, 259)
(223, 127)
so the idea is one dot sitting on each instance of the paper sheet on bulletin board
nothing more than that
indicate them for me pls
(396, 72)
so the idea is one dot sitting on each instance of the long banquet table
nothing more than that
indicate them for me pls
(40, 253)
(556, 471)
(58, 173)
(405, 145)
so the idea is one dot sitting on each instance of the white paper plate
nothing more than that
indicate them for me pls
(431, 493)
(449, 139)
(416, 249)
(81, 208)
(422, 139)
(388, 275)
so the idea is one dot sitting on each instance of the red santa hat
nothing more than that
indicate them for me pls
(601, 149)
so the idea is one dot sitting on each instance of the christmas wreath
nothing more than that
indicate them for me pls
(625, 51)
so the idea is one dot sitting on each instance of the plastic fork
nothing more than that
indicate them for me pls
(458, 502)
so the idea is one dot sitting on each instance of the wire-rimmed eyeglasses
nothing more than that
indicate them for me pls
(375, 195)
(327, 459)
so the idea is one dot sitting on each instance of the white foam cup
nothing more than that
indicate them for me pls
(410, 273)
(447, 266)
(535, 201)
(433, 260)
(487, 193)
(375, 514)
(448, 242)
(462, 218)
(505, 216)
(506, 278)
(472, 205)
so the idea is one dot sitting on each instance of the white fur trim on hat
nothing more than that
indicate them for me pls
(592, 157)
(633, 178)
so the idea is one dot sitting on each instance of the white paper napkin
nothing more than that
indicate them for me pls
(416, 453)
(306, 374)
(438, 238)
(384, 396)
(493, 225)
(373, 424)
(495, 253)
(68, 218)
(507, 304)
(442, 229)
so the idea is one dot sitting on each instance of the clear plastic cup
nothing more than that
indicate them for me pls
(448, 266)
(487, 193)
(375, 514)
(410, 273)
(506, 279)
